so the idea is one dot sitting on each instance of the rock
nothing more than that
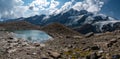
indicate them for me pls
(42, 45)
(95, 48)
(13, 44)
(77, 37)
(70, 46)
(54, 54)
(24, 44)
(34, 53)
(68, 36)
(66, 49)
(44, 58)
(116, 57)
(89, 34)
(86, 48)
(36, 44)
(11, 50)
(108, 45)
(100, 52)
(108, 56)
(14, 40)
(113, 41)
(92, 56)
(10, 38)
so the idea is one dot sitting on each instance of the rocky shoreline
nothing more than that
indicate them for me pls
(90, 46)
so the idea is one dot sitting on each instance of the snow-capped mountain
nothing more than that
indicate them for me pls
(76, 19)
(82, 21)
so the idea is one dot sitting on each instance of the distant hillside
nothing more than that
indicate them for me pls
(56, 29)
(18, 25)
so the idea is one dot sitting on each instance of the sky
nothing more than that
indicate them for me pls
(26, 8)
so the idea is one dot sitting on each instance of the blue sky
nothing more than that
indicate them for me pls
(27, 8)
(110, 8)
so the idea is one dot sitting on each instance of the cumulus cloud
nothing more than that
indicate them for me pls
(89, 5)
(44, 7)
(93, 6)
(68, 5)
(16, 8)
(7, 8)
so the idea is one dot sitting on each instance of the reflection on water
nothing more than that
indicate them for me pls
(32, 35)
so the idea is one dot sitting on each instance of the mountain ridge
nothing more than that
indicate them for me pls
(76, 19)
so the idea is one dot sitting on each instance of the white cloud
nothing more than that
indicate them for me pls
(16, 8)
(54, 4)
(64, 8)
(89, 5)
(44, 7)
(41, 4)
(8, 7)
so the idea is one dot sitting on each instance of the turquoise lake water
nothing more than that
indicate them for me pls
(32, 35)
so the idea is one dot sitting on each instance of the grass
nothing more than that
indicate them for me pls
(76, 53)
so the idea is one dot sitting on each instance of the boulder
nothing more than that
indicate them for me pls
(55, 55)
(89, 34)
